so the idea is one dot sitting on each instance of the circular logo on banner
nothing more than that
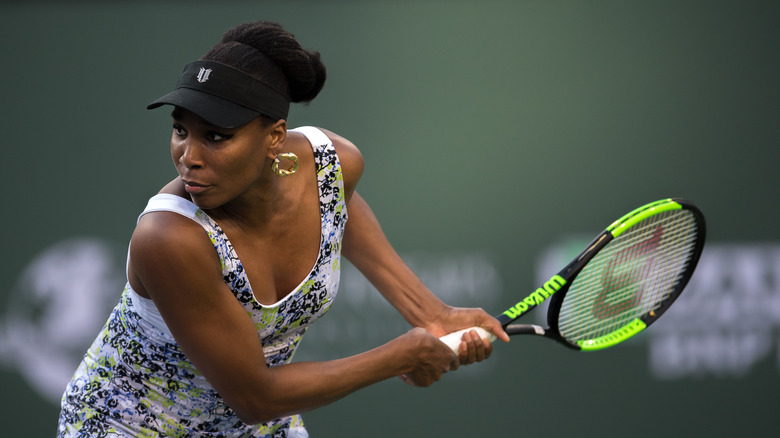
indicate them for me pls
(56, 308)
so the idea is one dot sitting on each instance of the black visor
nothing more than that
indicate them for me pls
(224, 96)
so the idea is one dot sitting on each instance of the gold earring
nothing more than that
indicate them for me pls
(289, 171)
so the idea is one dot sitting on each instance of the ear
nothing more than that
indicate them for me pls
(277, 135)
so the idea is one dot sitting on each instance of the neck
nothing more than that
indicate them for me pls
(256, 208)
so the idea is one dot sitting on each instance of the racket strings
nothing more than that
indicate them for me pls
(632, 276)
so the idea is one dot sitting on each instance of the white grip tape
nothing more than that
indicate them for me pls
(454, 339)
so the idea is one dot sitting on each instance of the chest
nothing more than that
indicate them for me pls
(284, 254)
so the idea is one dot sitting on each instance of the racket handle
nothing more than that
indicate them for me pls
(454, 339)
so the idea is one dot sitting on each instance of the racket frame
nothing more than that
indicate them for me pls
(558, 285)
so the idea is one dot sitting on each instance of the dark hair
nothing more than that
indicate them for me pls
(272, 55)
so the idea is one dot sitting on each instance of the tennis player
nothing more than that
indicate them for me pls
(234, 259)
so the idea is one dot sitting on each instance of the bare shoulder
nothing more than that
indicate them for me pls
(175, 187)
(166, 227)
(167, 247)
(342, 144)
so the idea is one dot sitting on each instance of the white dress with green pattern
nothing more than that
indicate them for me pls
(136, 381)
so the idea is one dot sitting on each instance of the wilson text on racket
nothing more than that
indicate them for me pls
(551, 286)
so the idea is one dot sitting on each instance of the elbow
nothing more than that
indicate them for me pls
(247, 417)
(257, 400)
(251, 416)
(256, 413)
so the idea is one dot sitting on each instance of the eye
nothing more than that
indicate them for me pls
(218, 136)
(179, 130)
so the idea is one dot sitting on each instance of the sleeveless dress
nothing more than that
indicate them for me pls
(136, 381)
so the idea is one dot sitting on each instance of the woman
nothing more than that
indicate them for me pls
(234, 258)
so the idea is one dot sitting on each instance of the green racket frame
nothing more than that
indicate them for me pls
(558, 285)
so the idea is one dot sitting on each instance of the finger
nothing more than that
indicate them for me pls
(467, 353)
(479, 346)
(482, 347)
(488, 347)
(455, 360)
(473, 346)
(497, 330)
(492, 325)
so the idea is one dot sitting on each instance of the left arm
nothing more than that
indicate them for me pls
(367, 247)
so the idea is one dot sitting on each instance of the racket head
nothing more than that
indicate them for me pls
(628, 276)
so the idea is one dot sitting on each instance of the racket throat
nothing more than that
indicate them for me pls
(525, 329)
(533, 329)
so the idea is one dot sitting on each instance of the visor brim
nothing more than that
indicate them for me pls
(213, 109)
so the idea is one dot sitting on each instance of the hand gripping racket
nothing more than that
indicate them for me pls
(620, 284)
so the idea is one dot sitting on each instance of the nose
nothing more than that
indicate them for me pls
(190, 154)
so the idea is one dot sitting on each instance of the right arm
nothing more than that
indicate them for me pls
(174, 263)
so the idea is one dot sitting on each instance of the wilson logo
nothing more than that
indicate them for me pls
(552, 285)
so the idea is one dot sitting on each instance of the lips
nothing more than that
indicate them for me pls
(194, 188)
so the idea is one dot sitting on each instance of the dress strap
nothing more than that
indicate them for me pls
(315, 136)
(169, 202)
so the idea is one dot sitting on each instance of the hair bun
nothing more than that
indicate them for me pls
(274, 56)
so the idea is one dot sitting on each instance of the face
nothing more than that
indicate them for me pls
(218, 165)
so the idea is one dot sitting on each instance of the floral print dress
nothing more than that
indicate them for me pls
(136, 381)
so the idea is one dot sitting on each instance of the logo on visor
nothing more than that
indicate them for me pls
(203, 74)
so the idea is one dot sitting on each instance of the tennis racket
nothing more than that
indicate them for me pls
(620, 284)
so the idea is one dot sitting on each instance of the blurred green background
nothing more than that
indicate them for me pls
(497, 136)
